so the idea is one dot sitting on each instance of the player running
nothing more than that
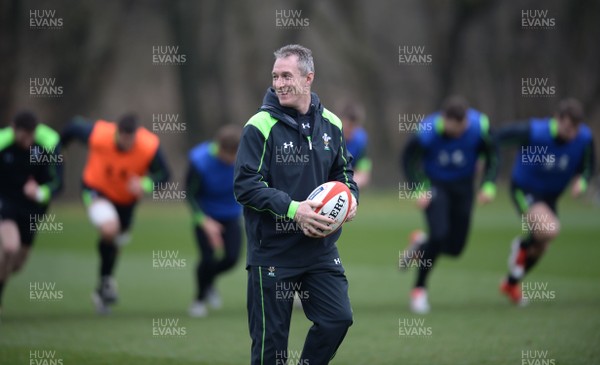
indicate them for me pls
(31, 175)
(216, 213)
(124, 162)
(352, 116)
(291, 146)
(553, 151)
(440, 164)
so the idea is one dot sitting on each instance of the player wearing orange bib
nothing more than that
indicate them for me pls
(124, 162)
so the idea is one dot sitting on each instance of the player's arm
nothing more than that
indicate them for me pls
(515, 133)
(212, 228)
(79, 129)
(251, 188)
(193, 182)
(412, 158)
(54, 186)
(52, 173)
(362, 167)
(412, 164)
(158, 172)
(488, 151)
(585, 170)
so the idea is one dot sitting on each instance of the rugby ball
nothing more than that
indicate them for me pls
(337, 202)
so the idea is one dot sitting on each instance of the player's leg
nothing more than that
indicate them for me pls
(326, 303)
(540, 225)
(232, 238)
(461, 208)
(437, 215)
(27, 235)
(10, 245)
(103, 215)
(270, 312)
(21, 257)
(203, 272)
(543, 226)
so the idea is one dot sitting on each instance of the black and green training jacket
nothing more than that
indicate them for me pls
(282, 157)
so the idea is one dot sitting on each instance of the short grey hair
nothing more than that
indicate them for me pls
(305, 59)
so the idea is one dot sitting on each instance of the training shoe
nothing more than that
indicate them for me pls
(214, 299)
(516, 259)
(101, 307)
(415, 240)
(105, 295)
(198, 309)
(108, 290)
(513, 292)
(418, 301)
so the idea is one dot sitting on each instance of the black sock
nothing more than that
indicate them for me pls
(108, 256)
(201, 293)
(1, 291)
(526, 242)
(530, 262)
(512, 280)
(426, 266)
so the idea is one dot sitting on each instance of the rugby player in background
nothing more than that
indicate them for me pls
(353, 116)
(124, 162)
(553, 151)
(216, 213)
(31, 171)
(441, 162)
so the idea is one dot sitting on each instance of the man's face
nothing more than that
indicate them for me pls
(566, 129)
(23, 138)
(125, 141)
(290, 85)
(454, 128)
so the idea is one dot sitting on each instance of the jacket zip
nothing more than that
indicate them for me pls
(309, 142)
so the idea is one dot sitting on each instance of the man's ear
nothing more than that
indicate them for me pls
(309, 78)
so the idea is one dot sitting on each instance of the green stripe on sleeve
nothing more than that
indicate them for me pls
(553, 124)
(364, 164)
(46, 136)
(263, 122)
(332, 118)
(147, 184)
(484, 122)
(291, 213)
(7, 137)
(86, 196)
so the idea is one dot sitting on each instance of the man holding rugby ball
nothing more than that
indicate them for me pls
(291, 146)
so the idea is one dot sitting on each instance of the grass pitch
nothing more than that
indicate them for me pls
(470, 322)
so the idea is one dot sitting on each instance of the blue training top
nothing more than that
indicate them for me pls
(451, 159)
(215, 194)
(546, 165)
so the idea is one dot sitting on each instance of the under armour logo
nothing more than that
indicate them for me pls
(305, 125)
(288, 145)
(337, 261)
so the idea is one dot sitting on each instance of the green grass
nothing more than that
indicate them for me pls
(470, 322)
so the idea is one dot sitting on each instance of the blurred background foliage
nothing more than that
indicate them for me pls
(102, 57)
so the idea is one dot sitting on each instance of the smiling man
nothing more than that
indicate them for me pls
(292, 145)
